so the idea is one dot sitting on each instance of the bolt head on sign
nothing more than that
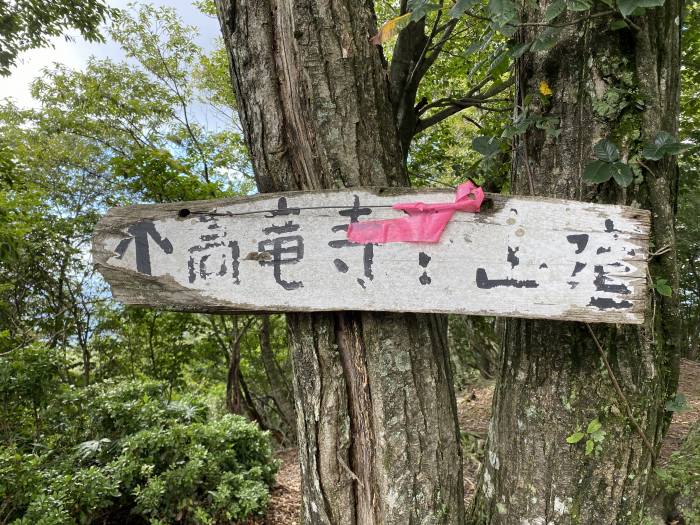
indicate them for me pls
(517, 256)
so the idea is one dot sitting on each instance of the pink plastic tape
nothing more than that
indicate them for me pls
(424, 223)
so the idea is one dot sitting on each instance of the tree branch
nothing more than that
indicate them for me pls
(453, 106)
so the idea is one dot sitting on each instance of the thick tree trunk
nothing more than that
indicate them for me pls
(376, 415)
(621, 85)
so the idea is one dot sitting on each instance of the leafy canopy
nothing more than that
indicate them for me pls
(29, 24)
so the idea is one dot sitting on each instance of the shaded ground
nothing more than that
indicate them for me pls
(474, 412)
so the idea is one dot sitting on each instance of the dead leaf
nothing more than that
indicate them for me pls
(390, 28)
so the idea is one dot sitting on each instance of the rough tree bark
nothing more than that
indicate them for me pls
(622, 85)
(376, 416)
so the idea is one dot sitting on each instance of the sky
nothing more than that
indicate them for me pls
(75, 54)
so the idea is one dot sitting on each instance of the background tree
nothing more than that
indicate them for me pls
(564, 446)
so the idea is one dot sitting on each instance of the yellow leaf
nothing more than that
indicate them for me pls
(545, 90)
(390, 29)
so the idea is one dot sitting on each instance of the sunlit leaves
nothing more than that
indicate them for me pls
(575, 438)
(544, 89)
(390, 29)
(420, 8)
(594, 433)
(31, 23)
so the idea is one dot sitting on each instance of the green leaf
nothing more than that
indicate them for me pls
(622, 173)
(627, 7)
(597, 172)
(575, 438)
(663, 288)
(589, 447)
(593, 426)
(664, 144)
(554, 10)
(678, 404)
(502, 11)
(606, 151)
(579, 5)
(487, 146)
(520, 50)
(460, 7)
(618, 24)
(420, 8)
(545, 40)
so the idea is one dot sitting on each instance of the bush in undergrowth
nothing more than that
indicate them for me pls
(123, 453)
(680, 479)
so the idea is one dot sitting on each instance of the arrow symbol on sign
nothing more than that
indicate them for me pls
(139, 234)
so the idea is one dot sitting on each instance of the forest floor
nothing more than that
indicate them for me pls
(474, 412)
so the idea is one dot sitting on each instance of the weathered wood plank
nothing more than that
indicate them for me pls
(521, 257)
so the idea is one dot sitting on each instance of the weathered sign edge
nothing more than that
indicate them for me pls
(184, 299)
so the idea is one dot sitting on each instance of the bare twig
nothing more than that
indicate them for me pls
(452, 106)
(347, 469)
(664, 249)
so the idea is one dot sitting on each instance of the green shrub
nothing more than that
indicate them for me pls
(224, 467)
(124, 452)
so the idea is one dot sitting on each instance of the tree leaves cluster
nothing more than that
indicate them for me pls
(29, 24)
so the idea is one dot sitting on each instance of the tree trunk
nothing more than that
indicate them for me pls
(624, 86)
(233, 386)
(376, 416)
(278, 384)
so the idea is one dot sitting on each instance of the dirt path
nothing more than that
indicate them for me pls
(474, 412)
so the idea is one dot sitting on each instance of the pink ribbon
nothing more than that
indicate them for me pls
(424, 223)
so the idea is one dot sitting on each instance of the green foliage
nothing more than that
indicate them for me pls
(30, 24)
(607, 166)
(662, 287)
(664, 144)
(94, 425)
(636, 7)
(125, 449)
(487, 146)
(594, 434)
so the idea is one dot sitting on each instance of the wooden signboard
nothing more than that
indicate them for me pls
(519, 256)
